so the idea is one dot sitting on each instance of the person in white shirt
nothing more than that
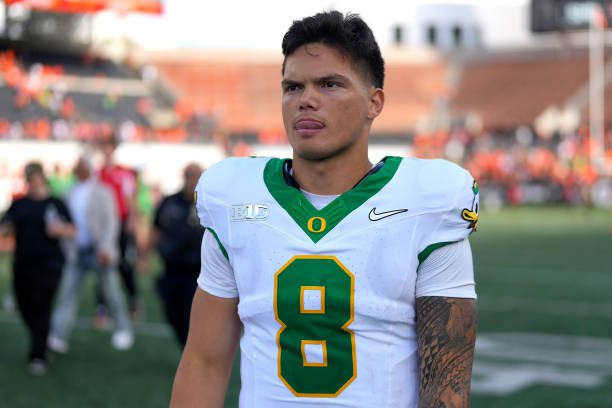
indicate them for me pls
(94, 248)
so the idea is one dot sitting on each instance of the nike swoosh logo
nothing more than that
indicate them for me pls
(374, 216)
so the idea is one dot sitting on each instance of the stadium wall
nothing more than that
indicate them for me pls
(160, 164)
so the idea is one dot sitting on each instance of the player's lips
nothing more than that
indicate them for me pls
(308, 126)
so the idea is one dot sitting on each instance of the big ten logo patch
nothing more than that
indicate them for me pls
(246, 212)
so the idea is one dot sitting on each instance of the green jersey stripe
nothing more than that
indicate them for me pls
(427, 251)
(221, 247)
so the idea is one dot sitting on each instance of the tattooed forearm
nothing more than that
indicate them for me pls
(446, 338)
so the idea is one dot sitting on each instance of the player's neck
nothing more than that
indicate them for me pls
(329, 177)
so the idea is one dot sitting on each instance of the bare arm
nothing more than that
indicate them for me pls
(153, 240)
(60, 229)
(446, 338)
(205, 367)
(149, 243)
(6, 228)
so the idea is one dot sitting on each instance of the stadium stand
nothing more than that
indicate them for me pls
(241, 89)
(51, 96)
(517, 120)
(513, 89)
(529, 140)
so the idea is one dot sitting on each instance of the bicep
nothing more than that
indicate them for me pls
(206, 364)
(446, 338)
(214, 328)
(214, 321)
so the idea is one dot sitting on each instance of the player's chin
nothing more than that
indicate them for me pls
(316, 153)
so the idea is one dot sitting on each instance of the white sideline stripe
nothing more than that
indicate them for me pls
(546, 307)
(507, 362)
(496, 380)
(157, 330)
(591, 353)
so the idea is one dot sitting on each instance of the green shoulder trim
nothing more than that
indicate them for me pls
(317, 223)
(221, 247)
(427, 251)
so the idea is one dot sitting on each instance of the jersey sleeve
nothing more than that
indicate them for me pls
(212, 211)
(63, 211)
(447, 272)
(216, 274)
(453, 210)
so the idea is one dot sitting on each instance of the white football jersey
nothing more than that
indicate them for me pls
(327, 297)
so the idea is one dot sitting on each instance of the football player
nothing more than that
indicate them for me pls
(346, 283)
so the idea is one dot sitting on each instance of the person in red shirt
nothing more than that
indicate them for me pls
(123, 183)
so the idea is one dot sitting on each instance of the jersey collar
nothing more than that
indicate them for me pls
(317, 223)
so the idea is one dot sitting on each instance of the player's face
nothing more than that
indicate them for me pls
(328, 106)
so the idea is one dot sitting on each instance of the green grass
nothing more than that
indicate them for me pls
(538, 270)
(528, 260)
(93, 374)
(546, 271)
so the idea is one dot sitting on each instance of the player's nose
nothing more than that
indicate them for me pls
(309, 98)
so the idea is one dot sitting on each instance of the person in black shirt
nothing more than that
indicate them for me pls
(38, 222)
(177, 236)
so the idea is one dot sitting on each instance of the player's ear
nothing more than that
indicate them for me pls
(376, 102)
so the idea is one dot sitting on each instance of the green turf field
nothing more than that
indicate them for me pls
(545, 298)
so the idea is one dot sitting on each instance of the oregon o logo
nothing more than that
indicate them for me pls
(320, 223)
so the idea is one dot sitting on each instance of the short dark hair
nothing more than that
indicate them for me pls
(348, 34)
(33, 168)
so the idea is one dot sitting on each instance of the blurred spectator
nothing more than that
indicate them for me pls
(122, 181)
(7, 299)
(520, 166)
(95, 247)
(60, 181)
(38, 222)
(46, 90)
(144, 206)
(177, 235)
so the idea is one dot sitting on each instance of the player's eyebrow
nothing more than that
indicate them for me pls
(318, 80)
(331, 77)
(286, 82)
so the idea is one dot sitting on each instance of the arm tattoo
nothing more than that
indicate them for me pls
(446, 337)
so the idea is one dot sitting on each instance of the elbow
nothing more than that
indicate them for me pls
(70, 231)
